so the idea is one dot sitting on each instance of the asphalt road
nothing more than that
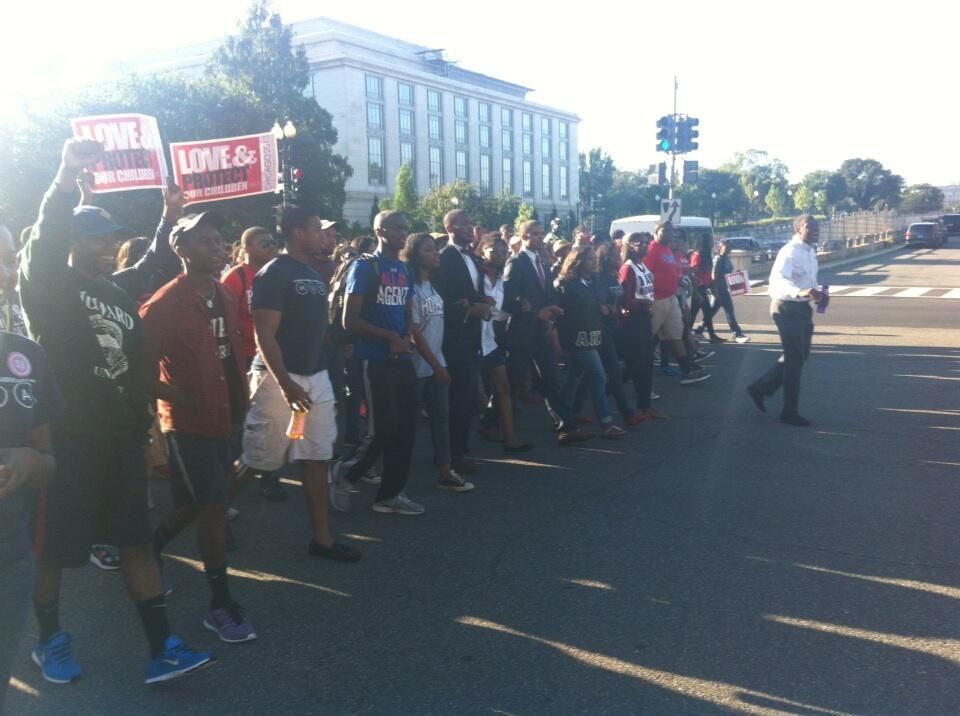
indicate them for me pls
(716, 562)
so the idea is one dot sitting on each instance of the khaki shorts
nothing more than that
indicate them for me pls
(265, 443)
(666, 320)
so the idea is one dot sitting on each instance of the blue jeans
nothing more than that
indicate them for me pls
(16, 585)
(587, 363)
(436, 395)
(610, 358)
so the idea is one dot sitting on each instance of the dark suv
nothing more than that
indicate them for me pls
(951, 223)
(926, 233)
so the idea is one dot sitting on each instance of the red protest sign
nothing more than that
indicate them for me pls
(133, 155)
(225, 168)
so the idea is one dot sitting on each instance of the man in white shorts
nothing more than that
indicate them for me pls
(289, 376)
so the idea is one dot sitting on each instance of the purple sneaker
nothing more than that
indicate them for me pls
(230, 624)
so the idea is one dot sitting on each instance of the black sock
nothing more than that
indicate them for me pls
(684, 363)
(48, 618)
(217, 577)
(153, 614)
(161, 538)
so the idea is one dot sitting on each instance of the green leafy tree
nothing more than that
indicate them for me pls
(405, 193)
(718, 194)
(870, 185)
(778, 201)
(757, 172)
(525, 212)
(596, 176)
(920, 198)
(820, 191)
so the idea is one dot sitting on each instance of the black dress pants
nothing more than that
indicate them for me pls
(794, 320)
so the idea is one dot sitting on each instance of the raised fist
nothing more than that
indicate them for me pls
(81, 154)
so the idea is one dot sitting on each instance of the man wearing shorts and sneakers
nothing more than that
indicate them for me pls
(666, 316)
(94, 339)
(194, 346)
(289, 375)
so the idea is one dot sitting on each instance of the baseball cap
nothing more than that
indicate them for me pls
(326, 224)
(92, 222)
(191, 221)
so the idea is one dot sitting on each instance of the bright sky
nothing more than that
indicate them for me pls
(813, 83)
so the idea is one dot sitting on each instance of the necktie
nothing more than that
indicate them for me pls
(540, 277)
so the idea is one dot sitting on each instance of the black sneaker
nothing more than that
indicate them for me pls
(798, 420)
(337, 552)
(694, 376)
(757, 396)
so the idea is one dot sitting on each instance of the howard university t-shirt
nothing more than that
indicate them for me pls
(299, 293)
(29, 398)
(390, 309)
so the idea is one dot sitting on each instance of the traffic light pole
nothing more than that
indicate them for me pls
(673, 149)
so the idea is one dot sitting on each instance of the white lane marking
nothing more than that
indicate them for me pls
(952, 293)
(911, 292)
(869, 291)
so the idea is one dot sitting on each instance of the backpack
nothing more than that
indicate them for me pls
(337, 334)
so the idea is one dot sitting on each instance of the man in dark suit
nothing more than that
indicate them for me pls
(528, 297)
(457, 280)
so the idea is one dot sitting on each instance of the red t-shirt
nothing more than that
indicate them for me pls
(239, 281)
(663, 265)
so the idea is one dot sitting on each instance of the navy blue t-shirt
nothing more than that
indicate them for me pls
(299, 293)
(29, 398)
(389, 311)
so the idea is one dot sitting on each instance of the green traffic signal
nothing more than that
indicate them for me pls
(666, 131)
(664, 145)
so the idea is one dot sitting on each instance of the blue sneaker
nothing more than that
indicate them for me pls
(177, 660)
(669, 370)
(55, 659)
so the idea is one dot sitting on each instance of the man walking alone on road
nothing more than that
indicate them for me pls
(793, 285)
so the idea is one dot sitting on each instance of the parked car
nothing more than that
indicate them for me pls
(926, 233)
(747, 244)
(951, 222)
(771, 248)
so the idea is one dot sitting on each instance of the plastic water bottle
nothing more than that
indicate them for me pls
(298, 420)
(822, 303)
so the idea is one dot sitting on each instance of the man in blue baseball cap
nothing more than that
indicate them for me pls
(94, 340)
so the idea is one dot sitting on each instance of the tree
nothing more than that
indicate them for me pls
(820, 191)
(596, 176)
(870, 185)
(262, 58)
(778, 201)
(525, 212)
(757, 174)
(920, 198)
(718, 194)
(405, 194)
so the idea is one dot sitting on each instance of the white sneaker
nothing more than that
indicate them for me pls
(339, 489)
(232, 513)
(654, 396)
(742, 338)
(399, 505)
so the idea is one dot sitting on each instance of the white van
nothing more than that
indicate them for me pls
(691, 231)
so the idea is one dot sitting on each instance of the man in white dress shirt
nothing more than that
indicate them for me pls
(793, 285)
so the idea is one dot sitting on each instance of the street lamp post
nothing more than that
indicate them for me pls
(284, 135)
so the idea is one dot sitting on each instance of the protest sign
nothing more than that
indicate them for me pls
(738, 283)
(133, 155)
(218, 169)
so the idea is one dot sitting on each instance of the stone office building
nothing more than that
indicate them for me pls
(394, 102)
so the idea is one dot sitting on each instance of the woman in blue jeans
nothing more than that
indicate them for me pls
(420, 254)
(581, 334)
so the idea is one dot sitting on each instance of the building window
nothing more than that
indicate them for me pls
(485, 113)
(507, 175)
(486, 181)
(545, 181)
(404, 94)
(436, 167)
(527, 145)
(433, 128)
(460, 107)
(485, 136)
(526, 122)
(527, 177)
(460, 131)
(433, 101)
(406, 122)
(545, 126)
(374, 116)
(564, 189)
(545, 147)
(507, 140)
(564, 152)
(462, 165)
(374, 87)
(564, 131)
(375, 172)
(506, 116)
(406, 154)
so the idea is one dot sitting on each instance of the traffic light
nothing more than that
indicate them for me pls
(686, 134)
(666, 133)
(295, 175)
(691, 172)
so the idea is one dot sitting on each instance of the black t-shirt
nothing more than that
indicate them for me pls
(29, 398)
(609, 292)
(299, 293)
(579, 326)
(218, 324)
